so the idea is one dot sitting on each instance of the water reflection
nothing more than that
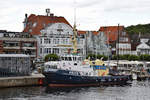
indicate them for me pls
(135, 91)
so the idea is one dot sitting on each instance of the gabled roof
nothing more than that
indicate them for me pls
(40, 22)
(143, 46)
(111, 32)
(85, 32)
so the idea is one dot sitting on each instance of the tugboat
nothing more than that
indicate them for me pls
(69, 74)
(76, 73)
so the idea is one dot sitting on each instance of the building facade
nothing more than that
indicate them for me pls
(118, 39)
(56, 39)
(143, 47)
(18, 43)
(96, 43)
(14, 65)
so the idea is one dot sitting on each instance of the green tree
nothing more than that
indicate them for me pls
(145, 57)
(93, 57)
(51, 57)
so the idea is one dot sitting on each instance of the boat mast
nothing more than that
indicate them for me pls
(74, 38)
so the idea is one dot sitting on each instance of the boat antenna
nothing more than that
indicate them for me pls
(118, 46)
(74, 12)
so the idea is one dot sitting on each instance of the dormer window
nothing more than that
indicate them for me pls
(30, 30)
(34, 24)
(59, 29)
(59, 26)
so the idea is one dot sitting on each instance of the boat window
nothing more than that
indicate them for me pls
(65, 58)
(79, 58)
(93, 62)
(140, 65)
(129, 65)
(148, 65)
(62, 58)
(69, 58)
(74, 58)
(52, 66)
(75, 63)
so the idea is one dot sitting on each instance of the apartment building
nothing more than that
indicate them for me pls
(18, 43)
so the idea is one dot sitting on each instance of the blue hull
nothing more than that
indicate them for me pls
(62, 78)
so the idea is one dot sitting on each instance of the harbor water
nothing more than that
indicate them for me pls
(138, 90)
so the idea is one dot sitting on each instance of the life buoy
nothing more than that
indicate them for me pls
(83, 63)
(40, 81)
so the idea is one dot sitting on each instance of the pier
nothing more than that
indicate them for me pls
(33, 80)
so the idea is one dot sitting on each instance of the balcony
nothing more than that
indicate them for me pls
(31, 48)
(11, 47)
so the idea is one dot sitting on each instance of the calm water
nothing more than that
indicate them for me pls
(135, 91)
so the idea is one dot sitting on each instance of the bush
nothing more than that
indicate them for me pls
(51, 57)
(93, 57)
(125, 57)
(114, 57)
(133, 58)
(145, 57)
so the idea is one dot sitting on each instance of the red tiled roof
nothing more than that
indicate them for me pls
(84, 32)
(42, 21)
(81, 32)
(111, 32)
(95, 32)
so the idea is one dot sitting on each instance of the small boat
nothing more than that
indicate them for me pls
(134, 76)
(80, 73)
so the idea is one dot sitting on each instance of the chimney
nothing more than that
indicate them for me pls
(48, 11)
(26, 15)
(51, 15)
(25, 20)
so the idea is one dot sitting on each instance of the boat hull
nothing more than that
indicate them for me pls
(62, 79)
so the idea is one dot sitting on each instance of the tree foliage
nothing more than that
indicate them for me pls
(144, 57)
(94, 57)
(51, 57)
(140, 28)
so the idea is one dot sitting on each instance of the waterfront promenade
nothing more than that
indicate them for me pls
(32, 80)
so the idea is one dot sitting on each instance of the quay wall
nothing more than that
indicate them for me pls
(21, 81)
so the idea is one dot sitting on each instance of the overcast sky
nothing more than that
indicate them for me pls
(90, 14)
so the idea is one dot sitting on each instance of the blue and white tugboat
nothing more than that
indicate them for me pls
(76, 72)
(72, 74)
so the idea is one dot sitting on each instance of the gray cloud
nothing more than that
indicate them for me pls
(86, 3)
(90, 13)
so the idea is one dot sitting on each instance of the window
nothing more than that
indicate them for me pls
(57, 41)
(40, 50)
(34, 24)
(66, 41)
(49, 50)
(30, 30)
(56, 50)
(123, 33)
(54, 41)
(41, 41)
(49, 40)
(28, 44)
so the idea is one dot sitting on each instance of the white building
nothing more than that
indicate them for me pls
(143, 48)
(96, 43)
(55, 38)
